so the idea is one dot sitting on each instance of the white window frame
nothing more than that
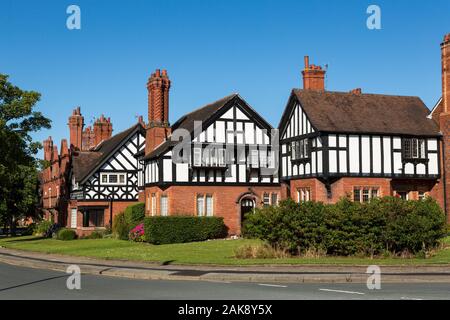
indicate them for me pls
(303, 194)
(118, 174)
(209, 208)
(153, 207)
(200, 201)
(197, 160)
(164, 206)
(370, 190)
(73, 218)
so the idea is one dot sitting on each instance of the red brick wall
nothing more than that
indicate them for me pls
(226, 200)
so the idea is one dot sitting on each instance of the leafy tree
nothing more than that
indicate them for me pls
(18, 165)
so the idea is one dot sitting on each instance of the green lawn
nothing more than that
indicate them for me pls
(209, 252)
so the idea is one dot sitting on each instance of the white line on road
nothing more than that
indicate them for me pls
(341, 291)
(407, 298)
(271, 285)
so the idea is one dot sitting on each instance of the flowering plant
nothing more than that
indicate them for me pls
(137, 233)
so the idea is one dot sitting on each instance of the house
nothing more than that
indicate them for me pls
(337, 144)
(226, 167)
(223, 159)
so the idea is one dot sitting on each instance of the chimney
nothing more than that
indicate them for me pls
(445, 49)
(48, 149)
(102, 129)
(313, 77)
(356, 91)
(55, 155)
(64, 148)
(444, 123)
(76, 123)
(158, 128)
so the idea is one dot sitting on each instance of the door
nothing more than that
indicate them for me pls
(247, 206)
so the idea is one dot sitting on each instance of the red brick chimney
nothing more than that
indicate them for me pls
(48, 149)
(313, 77)
(158, 128)
(102, 129)
(76, 123)
(444, 119)
(64, 148)
(356, 91)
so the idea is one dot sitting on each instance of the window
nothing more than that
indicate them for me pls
(271, 159)
(164, 206)
(365, 194)
(303, 194)
(254, 158)
(274, 199)
(73, 218)
(414, 148)
(113, 178)
(421, 195)
(209, 206)
(153, 204)
(148, 202)
(403, 195)
(221, 157)
(197, 157)
(93, 218)
(266, 199)
(263, 159)
(300, 149)
(200, 205)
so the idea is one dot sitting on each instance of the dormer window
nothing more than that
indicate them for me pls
(300, 150)
(209, 157)
(413, 149)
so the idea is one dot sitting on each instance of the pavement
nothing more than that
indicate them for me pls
(425, 274)
(22, 283)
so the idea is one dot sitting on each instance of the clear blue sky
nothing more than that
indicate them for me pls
(213, 48)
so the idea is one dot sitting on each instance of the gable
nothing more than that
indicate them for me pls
(296, 122)
(124, 158)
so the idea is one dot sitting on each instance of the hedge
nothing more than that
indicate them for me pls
(347, 228)
(180, 229)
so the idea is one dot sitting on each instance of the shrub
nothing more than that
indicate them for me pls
(42, 227)
(349, 228)
(180, 229)
(95, 235)
(135, 215)
(66, 234)
(120, 227)
(137, 233)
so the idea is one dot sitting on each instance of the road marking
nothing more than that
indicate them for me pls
(407, 298)
(271, 285)
(342, 291)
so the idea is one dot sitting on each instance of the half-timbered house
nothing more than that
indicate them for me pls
(228, 165)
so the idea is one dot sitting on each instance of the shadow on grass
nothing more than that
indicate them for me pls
(20, 239)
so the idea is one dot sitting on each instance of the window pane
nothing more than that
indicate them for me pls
(153, 204)
(357, 195)
(366, 195)
(266, 199)
(274, 200)
(197, 157)
(104, 178)
(164, 209)
(113, 178)
(200, 205)
(209, 205)
(122, 178)
(374, 193)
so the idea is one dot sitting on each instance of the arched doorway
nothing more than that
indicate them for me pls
(247, 205)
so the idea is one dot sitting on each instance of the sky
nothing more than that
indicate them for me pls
(212, 49)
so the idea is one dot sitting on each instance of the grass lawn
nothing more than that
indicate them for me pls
(209, 252)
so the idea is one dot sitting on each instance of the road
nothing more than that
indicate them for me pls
(26, 283)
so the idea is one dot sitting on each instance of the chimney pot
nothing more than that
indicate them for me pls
(357, 91)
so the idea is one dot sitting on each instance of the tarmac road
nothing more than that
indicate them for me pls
(28, 283)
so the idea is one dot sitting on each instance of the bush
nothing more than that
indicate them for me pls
(42, 227)
(137, 233)
(120, 227)
(180, 229)
(66, 234)
(135, 215)
(349, 228)
(95, 235)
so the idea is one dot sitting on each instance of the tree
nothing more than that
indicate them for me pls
(18, 165)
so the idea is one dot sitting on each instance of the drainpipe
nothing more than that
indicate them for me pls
(444, 178)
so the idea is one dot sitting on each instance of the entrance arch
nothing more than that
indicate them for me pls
(247, 205)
